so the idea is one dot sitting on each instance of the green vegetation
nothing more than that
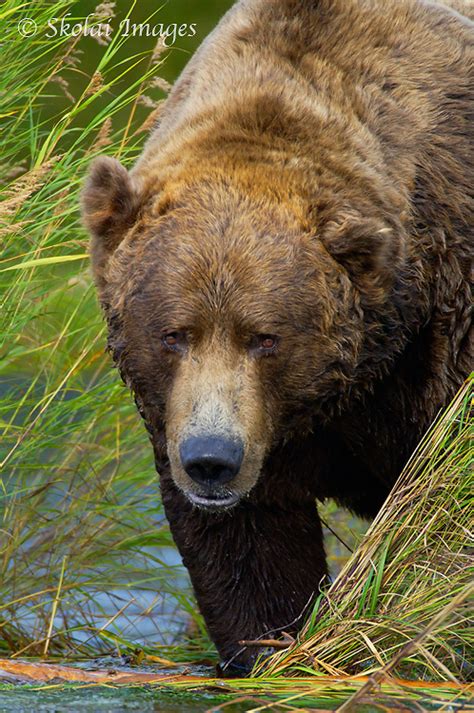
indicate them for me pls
(81, 528)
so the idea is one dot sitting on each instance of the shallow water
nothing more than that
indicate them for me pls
(84, 700)
(178, 693)
(145, 624)
(17, 696)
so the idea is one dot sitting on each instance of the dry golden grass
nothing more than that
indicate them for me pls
(403, 602)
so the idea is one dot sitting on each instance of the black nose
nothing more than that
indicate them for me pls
(211, 460)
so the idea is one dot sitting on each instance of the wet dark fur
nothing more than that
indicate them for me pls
(349, 121)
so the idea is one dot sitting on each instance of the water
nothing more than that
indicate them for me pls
(18, 696)
(84, 700)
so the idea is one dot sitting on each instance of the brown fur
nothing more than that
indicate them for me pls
(311, 178)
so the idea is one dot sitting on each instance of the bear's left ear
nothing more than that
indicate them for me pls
(110, 204)
(368, 249)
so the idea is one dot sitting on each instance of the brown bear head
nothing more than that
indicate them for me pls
(235, 320)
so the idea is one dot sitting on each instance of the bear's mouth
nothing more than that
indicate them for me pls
(214, 502)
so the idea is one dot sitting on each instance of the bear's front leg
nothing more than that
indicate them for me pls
(255, 568)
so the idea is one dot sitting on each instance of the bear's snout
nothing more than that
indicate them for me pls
(217, 429)
(211, 460)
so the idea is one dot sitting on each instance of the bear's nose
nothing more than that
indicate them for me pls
(211, 460)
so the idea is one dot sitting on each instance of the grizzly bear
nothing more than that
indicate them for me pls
(285, 273)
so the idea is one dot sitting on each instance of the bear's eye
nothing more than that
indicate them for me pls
(264, 344)
(268, 342)
(173, 341)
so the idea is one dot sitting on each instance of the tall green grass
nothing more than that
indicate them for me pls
(82, 533)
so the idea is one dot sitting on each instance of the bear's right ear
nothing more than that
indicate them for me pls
(368, 249)
(110, 206)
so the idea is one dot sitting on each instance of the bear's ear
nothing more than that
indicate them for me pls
(368, 249)
(110, 204)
